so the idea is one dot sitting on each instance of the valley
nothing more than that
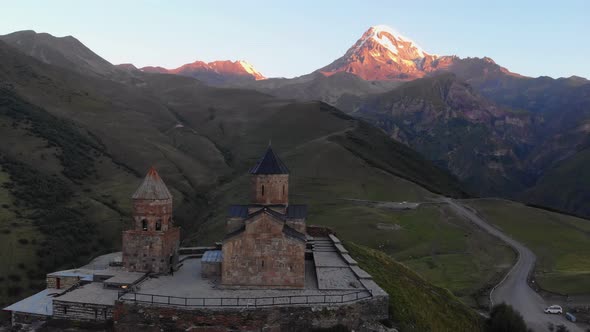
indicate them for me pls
(78, 133)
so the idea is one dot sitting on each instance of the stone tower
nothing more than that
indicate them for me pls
(151, 244)
(270, 181)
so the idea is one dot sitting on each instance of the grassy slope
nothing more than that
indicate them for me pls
(572, 176)
(224, 132)
(414, 304)
(432, 240)
(559, 241)
(63, 199)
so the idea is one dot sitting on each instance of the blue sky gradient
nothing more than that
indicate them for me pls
(292, 38)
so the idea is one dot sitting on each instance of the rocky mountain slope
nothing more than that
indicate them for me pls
(214, 73)
(444, 119)
(520, 129)
(66, 52)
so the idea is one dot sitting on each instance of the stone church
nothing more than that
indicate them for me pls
(151, 244)
(266, 240)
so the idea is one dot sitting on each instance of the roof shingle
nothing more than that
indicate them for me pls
(269, 164)
(152, 187)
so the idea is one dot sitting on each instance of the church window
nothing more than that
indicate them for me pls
(144, 224)
(159, 224)
(283, 190)
(262, 190)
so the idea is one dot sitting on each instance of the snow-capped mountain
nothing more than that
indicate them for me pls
(212, 72)
(383, 54)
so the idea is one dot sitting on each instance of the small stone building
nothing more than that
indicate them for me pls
(211, 264)
(151, 245)
(265, 241)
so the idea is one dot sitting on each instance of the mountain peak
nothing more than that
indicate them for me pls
(215, 72)
(382, 53)
(393, 41)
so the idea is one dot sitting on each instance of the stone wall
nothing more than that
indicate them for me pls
(81, 311)
(26, 318)
(298, 225)
(319, 231)
(64, 282)
(150, 251)
(152, 211)
(211, 270)
(233, 224)
(263, 255)
(139, 317)
(270, 189)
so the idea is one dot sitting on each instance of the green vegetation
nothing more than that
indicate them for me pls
(504, 318)
(49, 214)
(559, 241)
(572, 177)
(76, 151)
(343, 160)
(414, 304)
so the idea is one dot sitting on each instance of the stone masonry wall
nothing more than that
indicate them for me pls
(64, 282)
(136, 317)
(25, 318)
(147, 251)
(262, 255)
(233, 224)
(276, 189)
(297, 224)
(152, 211)
(81, 311)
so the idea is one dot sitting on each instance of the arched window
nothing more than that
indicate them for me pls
(283, 191)
(159, 224)
(262, 190)
(144, 224)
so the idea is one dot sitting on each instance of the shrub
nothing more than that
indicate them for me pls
(504, 318)
(561, 328)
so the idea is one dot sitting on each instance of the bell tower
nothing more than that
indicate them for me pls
(151, 244)
(270, 181)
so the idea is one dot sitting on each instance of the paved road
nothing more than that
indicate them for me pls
(514, 289)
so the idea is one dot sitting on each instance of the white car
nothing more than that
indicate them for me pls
(554, 309)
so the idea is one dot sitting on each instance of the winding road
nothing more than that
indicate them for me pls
(514, 289)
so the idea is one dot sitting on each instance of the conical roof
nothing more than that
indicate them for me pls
(269, 164)
(152, 187)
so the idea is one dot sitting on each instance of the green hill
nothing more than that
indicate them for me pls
(572, 177)
(414, 304)
(559, 241)
(74, 148)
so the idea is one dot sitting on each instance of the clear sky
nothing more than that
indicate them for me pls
(292, 38)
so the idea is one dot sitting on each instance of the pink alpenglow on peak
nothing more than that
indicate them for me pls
(384, 54)
(215, 70)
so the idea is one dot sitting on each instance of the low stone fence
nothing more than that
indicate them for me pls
(146, 317)
(286, 300)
